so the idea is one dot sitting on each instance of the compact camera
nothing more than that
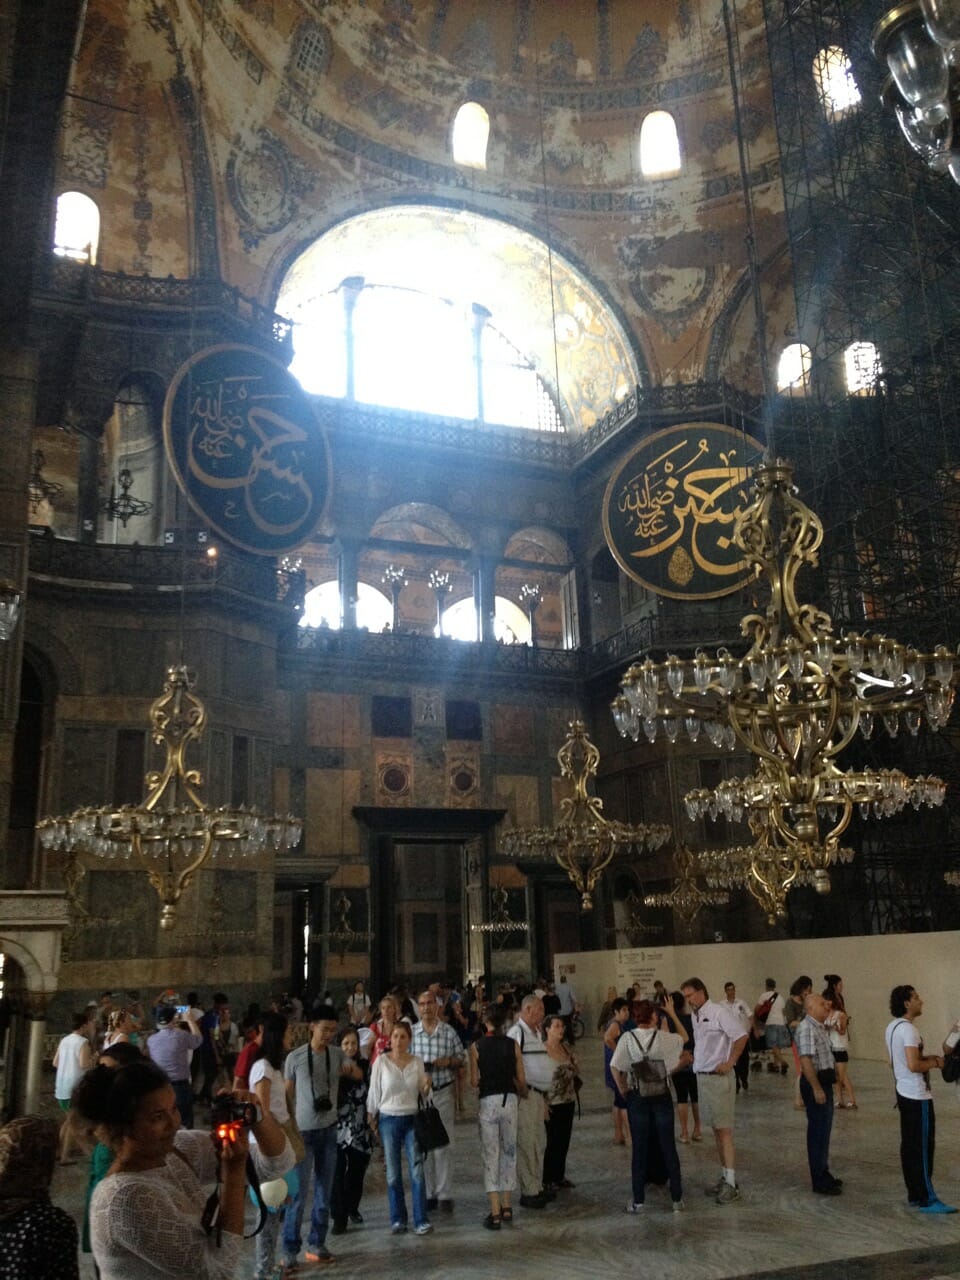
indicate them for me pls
(229, 1116)
(428, 1066)
(322, 1104)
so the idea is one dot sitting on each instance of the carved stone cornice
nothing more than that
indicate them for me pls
(29, 909)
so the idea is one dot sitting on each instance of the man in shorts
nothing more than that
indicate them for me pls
(718, 1041)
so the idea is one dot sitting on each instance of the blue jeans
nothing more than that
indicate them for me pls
(321, 1161)
(819, 1124)
(651, 1120)
(397, 1136)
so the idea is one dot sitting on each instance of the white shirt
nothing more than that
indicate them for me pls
(838, 1041)
(910, 1084)
(665, 1047)
(775, 1017)
(69, 1069)
(740, 1011)
(537, 1064)
(567, 998)
(715, 1028)
(394, 1092)
(262, 1070)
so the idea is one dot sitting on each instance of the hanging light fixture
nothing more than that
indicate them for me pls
(686, 898)
(583, 842)
(172, 834)
(342, 936)
(40, 490)
(500, 921)
(919, 43)
(796, 699)
(124, 505)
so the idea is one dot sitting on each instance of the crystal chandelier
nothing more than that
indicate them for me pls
(583, 842)
(686, 898)
(171, 834)
(499, 921)
(342, 936)
(796, 699)
(919, 43)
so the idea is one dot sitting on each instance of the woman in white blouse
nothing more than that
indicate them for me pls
(266, 1081)
(145, 1216)
(397, 1082)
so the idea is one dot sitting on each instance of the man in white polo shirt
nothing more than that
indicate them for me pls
(718, 1041)
(532, 1108)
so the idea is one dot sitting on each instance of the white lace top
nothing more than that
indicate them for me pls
(146, 1226)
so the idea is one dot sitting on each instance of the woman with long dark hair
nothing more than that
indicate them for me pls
(354, 1139)
(838, 1024)
(561, 1103)
(145, 1216)
(266, 1081)
(496, 1069)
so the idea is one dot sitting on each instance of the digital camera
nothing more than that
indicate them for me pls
(322, 1104)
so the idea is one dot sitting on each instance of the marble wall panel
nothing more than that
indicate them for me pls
(330, 829)
(519, 794)
(513, 729)
(333, 720)
(85, 762)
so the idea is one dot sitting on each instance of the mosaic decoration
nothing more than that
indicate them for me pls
(85, 158)
(648, 54)
(476, 51)
(265, 184)
(246, 448)
(670, 508)
(142, 207)
(674, 295)
(394, 779)
(561, 60)
(463, 775)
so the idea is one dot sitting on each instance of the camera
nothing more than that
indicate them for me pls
(428, 1066)
(229, 1110)
(322, 1104)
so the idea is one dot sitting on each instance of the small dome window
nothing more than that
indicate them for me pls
(793, 371)
(862, 367)
(77, 230)
(833, 76)
(659, 146)
(471, 133)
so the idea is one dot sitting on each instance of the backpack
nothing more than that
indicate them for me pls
(762, 1010)
(648, 1078)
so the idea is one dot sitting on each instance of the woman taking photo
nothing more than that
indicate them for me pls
(496, 1069)
(397, 1082)
(145, 1216)
(561, 1101)
(389, 1017)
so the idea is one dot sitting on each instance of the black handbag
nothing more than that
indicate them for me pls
(951, 1065)
(429, 1127)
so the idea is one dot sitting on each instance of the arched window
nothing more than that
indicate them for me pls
(833, 76)
(793, 371)
(862, 367)
(510, 623)
(321, 608)
(659, 146)
(471, 133)
(77, 231)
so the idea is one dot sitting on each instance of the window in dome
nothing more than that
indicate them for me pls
(471, 133)
(77, 231)
(313, 51)
(836, 86)
(659, 146)
(862, 367)
(793, 371)
(321, 608)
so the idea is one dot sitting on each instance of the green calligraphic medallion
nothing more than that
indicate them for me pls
(670, 508)
(247, 449)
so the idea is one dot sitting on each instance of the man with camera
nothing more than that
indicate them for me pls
(312, 1073)
(171, 1047)
(439, 1046)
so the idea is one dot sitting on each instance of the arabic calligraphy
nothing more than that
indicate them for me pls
(670, 510)
(246, 448)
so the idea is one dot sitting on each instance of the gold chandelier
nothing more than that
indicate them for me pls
(171, 834)
(583, 842)
(795, 700)
(686, 899)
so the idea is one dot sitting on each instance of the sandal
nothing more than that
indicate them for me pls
(492, 1222)
(506, 1215)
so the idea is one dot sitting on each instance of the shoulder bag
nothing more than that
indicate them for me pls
(429, 1128)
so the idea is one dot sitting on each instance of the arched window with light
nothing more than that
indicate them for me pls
(862, 368)
(793, 370)
(77, 229)
(836, 86)
(471, 134)
(659, 146)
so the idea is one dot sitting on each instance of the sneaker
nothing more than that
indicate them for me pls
(424, 1229)
(678, 1206)
(937, 1206)
(398, 1229)
(716, 1188)
(320, 1254)
(633, 1207)
(727, 1194)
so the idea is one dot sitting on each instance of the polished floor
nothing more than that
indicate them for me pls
(777, 1229)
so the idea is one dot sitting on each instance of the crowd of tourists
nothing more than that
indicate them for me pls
(301, 1123)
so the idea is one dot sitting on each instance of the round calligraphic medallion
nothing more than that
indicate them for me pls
(247, 449)
(670, 508)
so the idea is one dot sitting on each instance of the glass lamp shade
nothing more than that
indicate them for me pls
(943, 21)
(913, 57)
(929, 132)
(953, 166)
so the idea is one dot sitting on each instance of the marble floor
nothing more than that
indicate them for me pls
(777, 1229)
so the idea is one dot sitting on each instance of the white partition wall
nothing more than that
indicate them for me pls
(870, 968)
